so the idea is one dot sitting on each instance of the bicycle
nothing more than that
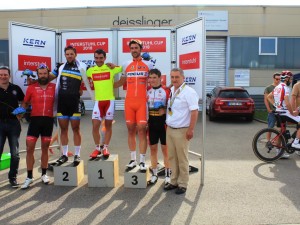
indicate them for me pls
(272, 149)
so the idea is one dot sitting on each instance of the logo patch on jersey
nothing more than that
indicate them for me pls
(101, 76)
(14, 92)
(132, 68)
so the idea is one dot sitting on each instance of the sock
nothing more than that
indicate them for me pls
(167, 172)
(98, 147)
(77, 150)
(142, 158)
(44, 171)
(296, 141)
(29, 174)
(65, 149)
(154, 171)
(133, 155)
(105, 146)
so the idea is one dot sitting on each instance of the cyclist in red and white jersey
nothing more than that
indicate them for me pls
(279, 97)
(136, 71)
(41, 96)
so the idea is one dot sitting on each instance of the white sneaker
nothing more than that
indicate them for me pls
(143, 167)
(167, 180)
(131, 164)
(153, 179)
(45, 179)
(285, 154)
(27, 183)
(294, 145)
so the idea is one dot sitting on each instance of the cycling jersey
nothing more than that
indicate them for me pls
(157, 98)
(103, 78)
(70, 79)
(279, 92)
(42, 100)
(137, 71)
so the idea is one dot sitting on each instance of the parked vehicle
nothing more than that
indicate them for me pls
(229, 101)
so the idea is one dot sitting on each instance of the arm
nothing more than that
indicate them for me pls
(288, 104)
(267, 103)
(271, 98)
(120, 82)
(190, 131)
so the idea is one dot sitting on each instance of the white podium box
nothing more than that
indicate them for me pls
(68, 175)
(136, 179)
(103, 172)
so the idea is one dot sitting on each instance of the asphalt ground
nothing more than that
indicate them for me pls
(238, 188)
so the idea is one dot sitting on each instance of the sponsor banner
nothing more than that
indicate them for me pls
(88, 45)
(29, 46)
(189, 61)
(151, 44)
(32, 62)
(156, 42)
(190, 53)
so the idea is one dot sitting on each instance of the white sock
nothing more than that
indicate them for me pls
(77, 150)
(98, 147)
(133, 155)
(65, 149)
(142, 158)
(154, 171)
(167, 172)
(296, 141)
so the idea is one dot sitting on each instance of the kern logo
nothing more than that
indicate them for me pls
(188, 39)
(34, 42)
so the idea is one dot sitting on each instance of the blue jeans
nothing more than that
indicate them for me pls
(11, 130)
(271, 120)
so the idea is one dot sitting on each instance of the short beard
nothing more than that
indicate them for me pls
(43, 81)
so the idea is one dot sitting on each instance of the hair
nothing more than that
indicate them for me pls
(5, 68)
(276, 74)
(155, 71)
(100, 51)
(70, 47)
(178, 70)
(37, 70)
(135, 41)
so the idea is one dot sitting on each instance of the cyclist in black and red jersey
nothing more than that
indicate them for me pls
(41, 96)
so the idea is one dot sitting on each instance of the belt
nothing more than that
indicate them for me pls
(177, 127)
(154, 113)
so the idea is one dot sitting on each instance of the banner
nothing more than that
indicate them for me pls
(86, 42)
(190, 54)
(155, 42)
(30, 46)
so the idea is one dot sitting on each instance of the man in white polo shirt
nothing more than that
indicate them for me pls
(182, 115)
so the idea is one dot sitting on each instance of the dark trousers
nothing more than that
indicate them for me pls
(11, 129)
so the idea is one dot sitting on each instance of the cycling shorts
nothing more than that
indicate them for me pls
(136, 110)
(104, 109)
(68, 107)
(40, 126)
(157, 129)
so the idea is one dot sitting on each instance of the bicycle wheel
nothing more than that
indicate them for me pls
(268, 151)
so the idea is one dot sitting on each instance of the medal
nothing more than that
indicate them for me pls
(170, 111)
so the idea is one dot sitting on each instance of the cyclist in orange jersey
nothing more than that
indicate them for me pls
(136, 71)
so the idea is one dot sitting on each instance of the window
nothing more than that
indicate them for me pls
(267, 46)
(4, 57)
(244, 54)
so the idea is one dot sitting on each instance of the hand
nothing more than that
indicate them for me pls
(189, 134)
(111, 65)
(19, 111)
(162, 111)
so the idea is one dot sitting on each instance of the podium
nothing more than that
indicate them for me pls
(68, 175)
(103, 172)
(136, 179)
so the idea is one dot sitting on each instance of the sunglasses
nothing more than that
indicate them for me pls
(277, 78)
(42, 66)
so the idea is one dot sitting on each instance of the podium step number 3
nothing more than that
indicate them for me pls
(136, 179)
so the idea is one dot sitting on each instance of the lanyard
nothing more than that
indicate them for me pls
(175, 95)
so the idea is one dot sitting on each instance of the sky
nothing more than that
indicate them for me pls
(44, 4)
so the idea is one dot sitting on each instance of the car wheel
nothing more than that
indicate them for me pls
(211, 116)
